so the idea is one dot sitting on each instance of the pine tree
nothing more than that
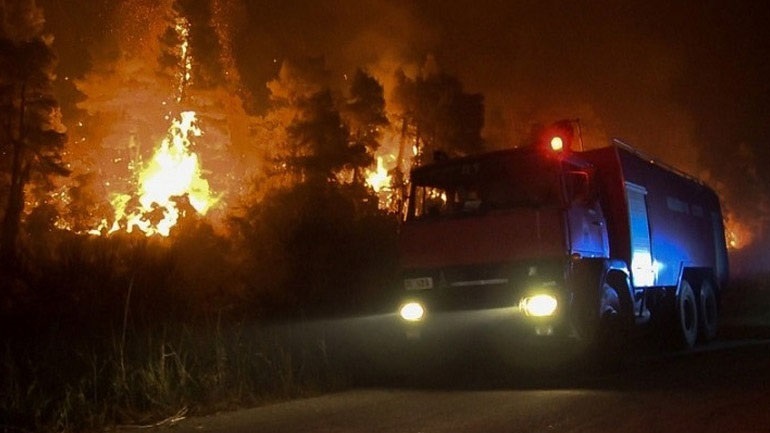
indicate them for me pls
(364, 112)
(32, 136)
(439, 115)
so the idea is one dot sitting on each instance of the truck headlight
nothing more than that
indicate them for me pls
(541, 305)
(412, 312)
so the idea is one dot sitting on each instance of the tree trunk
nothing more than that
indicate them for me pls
(12, 218)
(9, 232)
(398, 182)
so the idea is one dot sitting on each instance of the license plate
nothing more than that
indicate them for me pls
(423, 283)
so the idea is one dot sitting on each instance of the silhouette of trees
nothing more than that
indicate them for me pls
(364, 112)
(438, 115)
(319, 140)
(32, 136)
(326, 136)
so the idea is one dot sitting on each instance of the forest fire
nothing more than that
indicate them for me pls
(145, 175)
(171, 179)
(211, 188)
(171, 184)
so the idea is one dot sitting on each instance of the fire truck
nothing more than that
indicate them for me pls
(553, 243)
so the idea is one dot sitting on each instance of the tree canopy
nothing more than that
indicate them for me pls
(441, 116)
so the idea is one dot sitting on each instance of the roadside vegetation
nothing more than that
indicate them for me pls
(132, 330)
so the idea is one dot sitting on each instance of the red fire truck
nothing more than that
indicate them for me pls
(554, 242)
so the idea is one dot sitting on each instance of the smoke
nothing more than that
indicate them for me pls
(21, 20)
(616, 66)
(534, 62)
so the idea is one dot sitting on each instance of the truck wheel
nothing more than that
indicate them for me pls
(687, 316)
(612, 335)
(708, 312)
(600, 328)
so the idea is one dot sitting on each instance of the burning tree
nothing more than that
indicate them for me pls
(327, 139)
(177, 82)
(438, 115)
(32, 137)
(318, 141)
(365, 114)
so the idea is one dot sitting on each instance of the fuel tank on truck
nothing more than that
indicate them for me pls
(660, 220)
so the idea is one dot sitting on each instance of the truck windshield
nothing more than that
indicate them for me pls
(471, 187)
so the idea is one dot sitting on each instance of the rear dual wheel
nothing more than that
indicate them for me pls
(687, 316)
(696, 315)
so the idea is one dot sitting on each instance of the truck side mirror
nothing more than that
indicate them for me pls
(578, 187)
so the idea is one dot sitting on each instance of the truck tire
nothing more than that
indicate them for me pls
(603, 337)
(708, 312)
(686, 317)
(600, 322)
(611, 339)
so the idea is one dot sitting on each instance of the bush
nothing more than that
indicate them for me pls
(313, 250)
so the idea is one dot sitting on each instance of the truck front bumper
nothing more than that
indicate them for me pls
(510, 324)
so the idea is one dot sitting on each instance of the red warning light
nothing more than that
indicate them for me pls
(557, 144)
(557, 137)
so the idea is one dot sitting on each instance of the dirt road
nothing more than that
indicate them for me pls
(721, 389)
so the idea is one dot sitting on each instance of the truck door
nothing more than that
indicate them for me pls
(585, 221)
(587, 233)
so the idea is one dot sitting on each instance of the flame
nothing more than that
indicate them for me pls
(173, 175)
(378, 178)
(174, 170)
(393, 162)
(182, 29)
(737, 234)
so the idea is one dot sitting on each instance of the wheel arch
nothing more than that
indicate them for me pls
(618, 277)
(594, 274)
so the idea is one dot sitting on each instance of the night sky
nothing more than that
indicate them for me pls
(686, 82)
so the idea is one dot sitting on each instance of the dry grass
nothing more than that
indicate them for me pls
(65, 385)
(129, 330)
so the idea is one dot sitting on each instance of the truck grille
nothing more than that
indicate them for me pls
(482, 286)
